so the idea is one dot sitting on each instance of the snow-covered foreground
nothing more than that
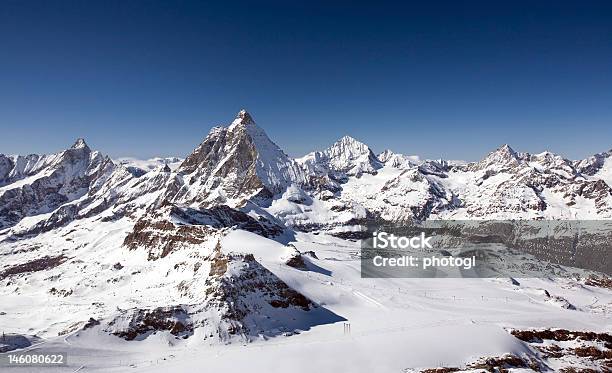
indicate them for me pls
(395, 324)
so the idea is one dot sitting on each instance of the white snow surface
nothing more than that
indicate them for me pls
(395, 323)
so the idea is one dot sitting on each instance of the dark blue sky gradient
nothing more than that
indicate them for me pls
(445, 79)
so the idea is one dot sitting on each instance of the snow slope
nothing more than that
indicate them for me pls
(395, 323)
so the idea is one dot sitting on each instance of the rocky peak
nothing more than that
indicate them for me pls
(396, 160)
(47, 182)
(352, 157)
(237, 162)
(244, 126)
(243, 118)
(591, 165)
(350, 146)
(385, 155)
(550, 161)
(79, 153)
(6, 165)
(504, 152)
(346, 157)
(502, 158)
(79, 144)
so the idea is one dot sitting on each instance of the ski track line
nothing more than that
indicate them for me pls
(368, 299)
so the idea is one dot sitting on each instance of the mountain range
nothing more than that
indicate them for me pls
(240, 168)
(187, 246)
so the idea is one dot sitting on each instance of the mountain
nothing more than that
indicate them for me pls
(544, 185)
(346, 157)
(598, 166)
(389, 158)
(232, 164)
(238, 241)
(36, 185)
(501, 159)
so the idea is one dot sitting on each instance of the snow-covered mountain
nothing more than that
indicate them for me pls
(36, 185)
(346, 157)
(389, 158)
(238, 241)
(232, 164)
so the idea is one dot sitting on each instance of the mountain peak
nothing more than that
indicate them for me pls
(397, 160)
(504, 156)
(79, 144)
(506, 149)
(348, 143)
(504, 152)
(243, 113)
(238, 161)
(346, 139)
(243, 118)
(347, 155)
(385, 155)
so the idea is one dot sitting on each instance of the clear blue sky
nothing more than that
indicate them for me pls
(447, 79)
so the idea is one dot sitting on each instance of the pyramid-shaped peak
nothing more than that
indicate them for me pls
(79, 144)
(244, 158)
(501, 157)
(506, 149)
(242, 118)
(244, 124)
(503, 152)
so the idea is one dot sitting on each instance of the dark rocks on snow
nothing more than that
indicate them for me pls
(91, 323)
(296, 261)
(143, 321)
(311, 254)
(41, 264)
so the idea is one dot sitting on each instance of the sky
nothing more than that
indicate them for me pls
(450, 80)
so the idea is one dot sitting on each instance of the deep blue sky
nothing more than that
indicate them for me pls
(450, 79)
